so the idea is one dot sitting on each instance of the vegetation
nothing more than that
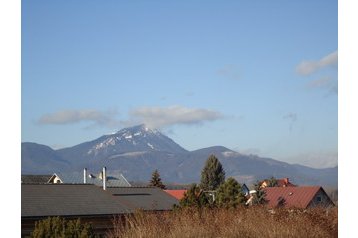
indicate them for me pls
(61, 228)
(194, 197)
(156, 181)
(250, 222)
(229, 194)
(272, 182)
(212, 175)
(259, 196)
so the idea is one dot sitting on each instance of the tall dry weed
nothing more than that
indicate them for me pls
(241, 222)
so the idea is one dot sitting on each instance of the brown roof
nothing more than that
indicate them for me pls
(299, 197)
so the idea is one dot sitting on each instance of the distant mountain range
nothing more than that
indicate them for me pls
(137, 151)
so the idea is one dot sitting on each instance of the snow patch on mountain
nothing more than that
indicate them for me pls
(150, 145)
(229, 153)
(110, 141)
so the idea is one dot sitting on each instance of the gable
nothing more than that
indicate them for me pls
(299, 197)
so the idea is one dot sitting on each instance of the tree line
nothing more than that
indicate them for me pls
(214, 190)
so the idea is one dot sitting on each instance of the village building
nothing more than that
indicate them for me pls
(245, 190)
(283, 182)
(297, 197)
(90, 178)
(178, 193)
(93, 204)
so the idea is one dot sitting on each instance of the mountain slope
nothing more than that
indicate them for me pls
(39, 159)
(137, 139)
(250, 168)
(137, 151)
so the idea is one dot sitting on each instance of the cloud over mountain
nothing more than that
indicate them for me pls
(158, 117)
(100, 118)
(309, 67)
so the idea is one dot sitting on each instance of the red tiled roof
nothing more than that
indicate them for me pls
(178, 194)
(298, 197)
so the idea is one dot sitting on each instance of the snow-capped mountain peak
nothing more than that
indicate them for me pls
(134, 139)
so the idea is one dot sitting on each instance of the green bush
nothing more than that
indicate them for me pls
(59, 227)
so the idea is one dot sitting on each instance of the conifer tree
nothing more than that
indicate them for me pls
(156, 181)
(212, 175)
(229, 194)
(193, 197)
(259, 197)
(272, 182)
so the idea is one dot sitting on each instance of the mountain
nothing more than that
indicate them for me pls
(137, 151)
(131, 141)
(39, 159)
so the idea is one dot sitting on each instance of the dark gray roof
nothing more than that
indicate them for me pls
(112, 180)
(39, 200)
(68, 200)
(35, 178)
(146, 198)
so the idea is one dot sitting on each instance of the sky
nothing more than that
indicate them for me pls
(258, 77)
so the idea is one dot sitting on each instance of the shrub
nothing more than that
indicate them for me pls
(59, 227)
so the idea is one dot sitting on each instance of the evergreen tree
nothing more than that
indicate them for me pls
(212, 175)
(259, 196)
(156, 181)
(194, 197)
(229, 194)
(272, 182)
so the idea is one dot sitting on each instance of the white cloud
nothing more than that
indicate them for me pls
(98, 118)
(310, 67)
(323, 159)
(159, 117)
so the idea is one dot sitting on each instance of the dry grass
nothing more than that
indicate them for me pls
(241, 222)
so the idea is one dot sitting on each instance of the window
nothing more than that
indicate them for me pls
(318, 199)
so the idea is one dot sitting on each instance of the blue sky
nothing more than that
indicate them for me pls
(257, 77)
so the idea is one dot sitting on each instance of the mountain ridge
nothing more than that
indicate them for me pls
(137, 151)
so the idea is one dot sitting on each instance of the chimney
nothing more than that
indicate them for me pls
(286, 180)
(104, 178)
(85, 175)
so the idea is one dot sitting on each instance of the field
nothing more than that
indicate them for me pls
(240, 222)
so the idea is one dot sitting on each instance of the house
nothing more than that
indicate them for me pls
(94, 204)
(38, 179)
(297, 197)
(284, 182)
(245, 190)
(178, 193)
(144, 198)
(96, 179)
